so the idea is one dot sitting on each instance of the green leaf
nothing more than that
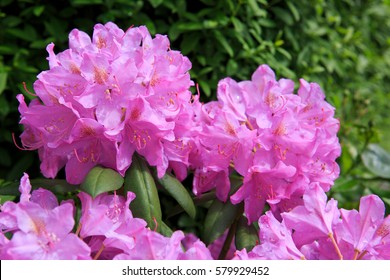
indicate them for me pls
(246, 235)
(173, 32)
(225, 44)
(4, 108)
(179, 193)
(3, 81)
(344, 184)
(100, 180)
(293, 10)
(219, 217)
(283, 15)
(146, 204)
(387, 201)
(164, 229)
(19, 167)
(189, 43)
(38, 10)
(87, 2)
(205, 87)
(189, 26)
(4, 198)
(156, 3)
(232, 67)
(254, 7)
(377, 160)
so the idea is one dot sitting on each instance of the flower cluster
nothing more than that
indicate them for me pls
(280, 142)
(38, 227)
(124, 92)
(105, 98)
(318, 230)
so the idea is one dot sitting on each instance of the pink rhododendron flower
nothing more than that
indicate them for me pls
(366, 231)
(107, 97)
(109, 216)
(276, 242)
(313, 220)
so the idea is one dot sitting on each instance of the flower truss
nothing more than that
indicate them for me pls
(278, 141)
(107, 97)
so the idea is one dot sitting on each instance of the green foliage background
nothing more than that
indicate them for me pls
(343, 45)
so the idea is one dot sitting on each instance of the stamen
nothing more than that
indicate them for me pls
(17, 146)
(197, 88)
(362, 255)
(99, 252)
(29, 92)
(78, 229)
(156, 224)
(77, 156)
(128, 30)
(330, 235)
(355, 256)
(249, 125)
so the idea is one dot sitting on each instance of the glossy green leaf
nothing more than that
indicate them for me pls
(100, 180)
(179, 193)
(38, 10)
(344, 184)
(164, 229)
(5, 198)
(377, 160)
(293, 10)
(224, 43)
(3, 81)
(246, 235)
(156, 3)
(140, 181)
(219, 217)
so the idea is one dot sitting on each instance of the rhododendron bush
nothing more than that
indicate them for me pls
(118, 114)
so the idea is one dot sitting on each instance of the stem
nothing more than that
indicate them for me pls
(99, 252)
(330, 235)
(231, 233)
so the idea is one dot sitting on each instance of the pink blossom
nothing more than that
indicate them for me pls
(366, 231)
(313, 220)
(110, 216)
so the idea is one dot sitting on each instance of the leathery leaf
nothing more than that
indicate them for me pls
(246, 235)
(146, 204)
(179, 193)
(219, 217)
(100, 180)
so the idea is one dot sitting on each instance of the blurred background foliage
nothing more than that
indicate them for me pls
(344, 45)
